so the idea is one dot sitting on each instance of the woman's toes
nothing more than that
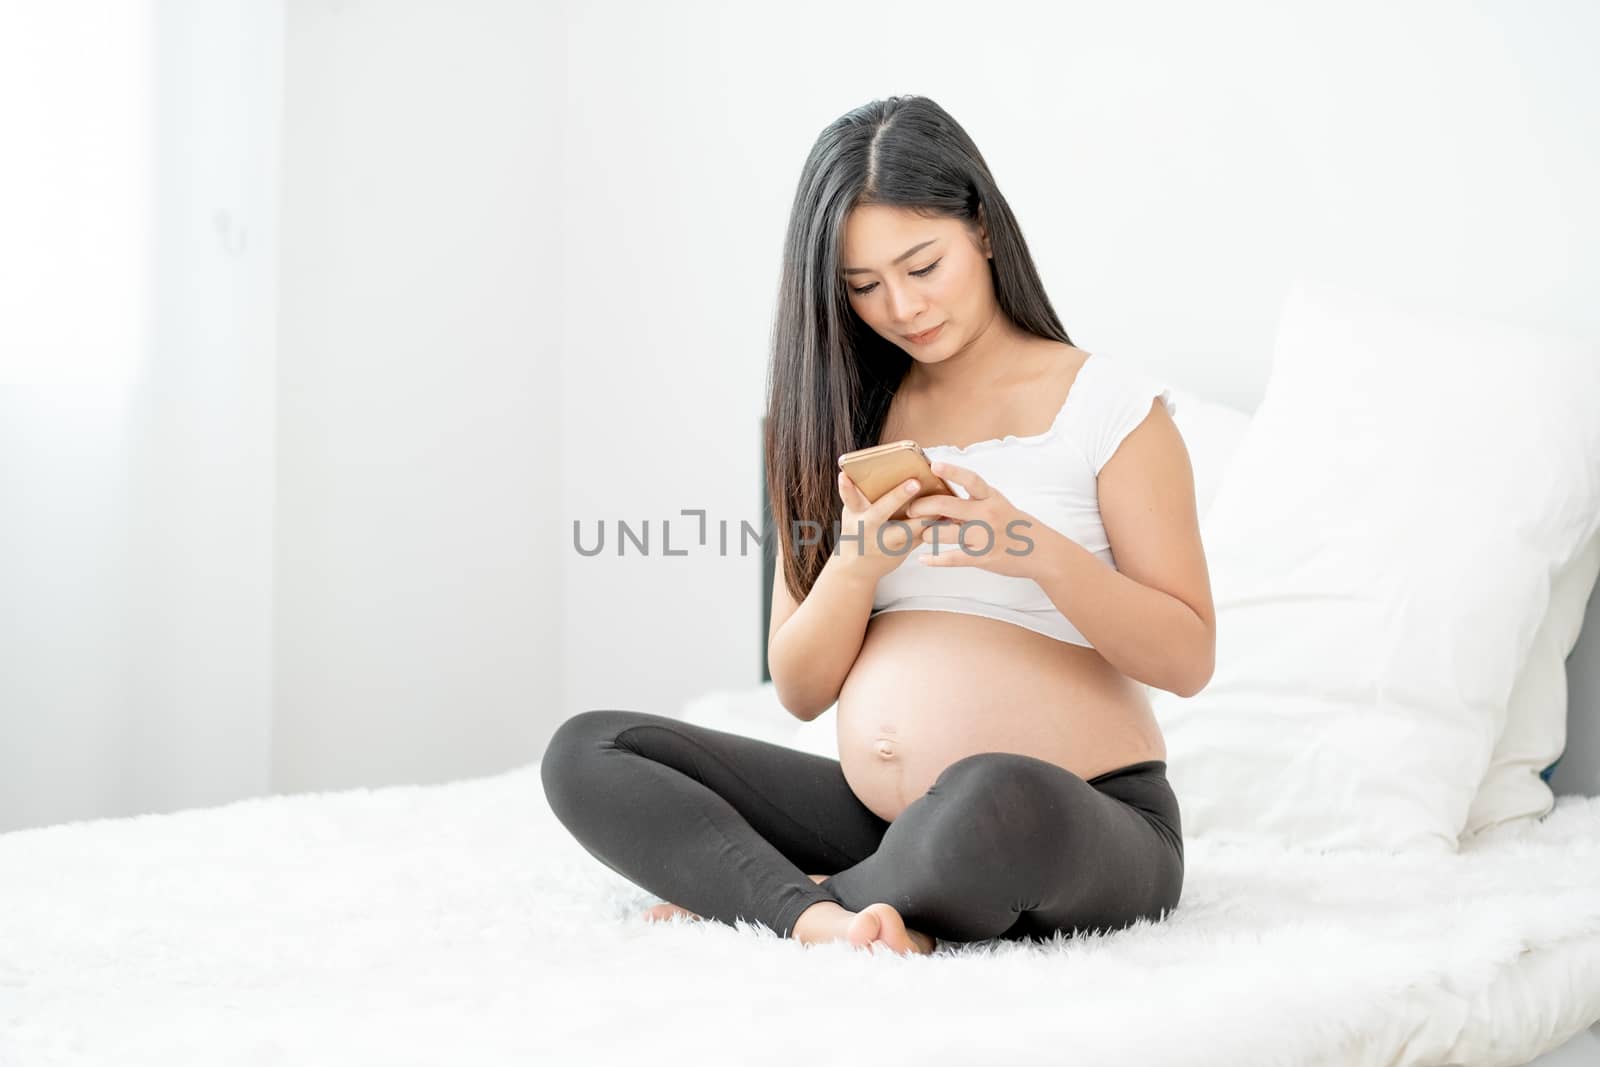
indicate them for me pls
(864, 929)
(892, 931)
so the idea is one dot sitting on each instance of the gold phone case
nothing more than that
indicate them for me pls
(879, 469)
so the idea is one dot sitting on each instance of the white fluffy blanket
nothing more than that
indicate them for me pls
(460, 924)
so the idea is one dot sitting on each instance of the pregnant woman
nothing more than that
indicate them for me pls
(1000, 771)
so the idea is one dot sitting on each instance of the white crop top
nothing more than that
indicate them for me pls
(1051, 476)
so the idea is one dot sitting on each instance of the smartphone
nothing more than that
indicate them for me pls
(879, 469)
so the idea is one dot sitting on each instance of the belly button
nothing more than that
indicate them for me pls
(885, 748)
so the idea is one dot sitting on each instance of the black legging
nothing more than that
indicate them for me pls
(1001, 845)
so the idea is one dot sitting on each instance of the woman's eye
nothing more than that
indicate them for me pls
(923, 273)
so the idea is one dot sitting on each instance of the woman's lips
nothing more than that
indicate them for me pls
(926, 336)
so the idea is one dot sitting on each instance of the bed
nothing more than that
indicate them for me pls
(461, 924)
(458, 924)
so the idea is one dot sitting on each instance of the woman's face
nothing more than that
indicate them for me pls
(943, 282)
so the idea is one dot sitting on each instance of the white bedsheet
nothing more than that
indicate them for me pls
(460, 924)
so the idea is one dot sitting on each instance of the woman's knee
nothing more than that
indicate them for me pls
(993, 801)
(1009, 782)
(569, 758)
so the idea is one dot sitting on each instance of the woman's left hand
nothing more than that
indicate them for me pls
(988, 531)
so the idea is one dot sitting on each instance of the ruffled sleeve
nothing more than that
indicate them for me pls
(1122, 397)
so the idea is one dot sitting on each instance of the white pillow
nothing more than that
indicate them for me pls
(1381, 551)
(1535, 733)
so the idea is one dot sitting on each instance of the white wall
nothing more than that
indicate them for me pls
(136, 405)
(526, 270)
(1174, 167)
(200, 540)
(418, 599)
(263, 537)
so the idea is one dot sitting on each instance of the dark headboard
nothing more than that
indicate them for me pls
(769, 548)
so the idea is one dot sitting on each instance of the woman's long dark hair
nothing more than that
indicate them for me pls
(831, 377)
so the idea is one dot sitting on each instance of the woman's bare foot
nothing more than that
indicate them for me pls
(920, 943)
(663, 912)
(878, 924)
(892, 931)
(874, 926)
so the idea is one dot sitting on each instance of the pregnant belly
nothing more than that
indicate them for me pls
(930, 687)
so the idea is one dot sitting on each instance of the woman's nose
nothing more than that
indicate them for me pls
(905, 308)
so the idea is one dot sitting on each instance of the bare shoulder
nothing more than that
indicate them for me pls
(1055, 367)
(1056, 359)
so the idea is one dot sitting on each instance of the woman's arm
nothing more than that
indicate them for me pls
(1151, 636)
(811, 646)
(1151, 617)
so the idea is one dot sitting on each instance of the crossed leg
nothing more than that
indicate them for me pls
(723, 825)
(1002, 844)
(1010, 846)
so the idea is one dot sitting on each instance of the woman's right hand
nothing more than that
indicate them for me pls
(863, 520)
